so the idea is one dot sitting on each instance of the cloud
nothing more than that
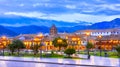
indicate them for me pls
(63, 10)
(36, 4)
(21, 5)
(115, 7)
(70, 6)
(27, 14)
(74, 17)
(15, 25)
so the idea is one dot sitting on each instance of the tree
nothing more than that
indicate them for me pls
(59, 42)
(3, 49)
(35, 48)
(118, 49)
(100, 49)
(12, 48)
(88, 47)
(69, 51)
(19, 45)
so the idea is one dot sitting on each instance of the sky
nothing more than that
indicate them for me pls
(62, 10)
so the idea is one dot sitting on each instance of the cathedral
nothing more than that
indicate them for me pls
(53, 30)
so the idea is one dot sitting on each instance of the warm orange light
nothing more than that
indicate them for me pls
(100, 36)
(66, 37)
(4, 37)
(59, 41)
(40, 35)
(36, 39)
(87, 33)
(79, 42)
(74, 39)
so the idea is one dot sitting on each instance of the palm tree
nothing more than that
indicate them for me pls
(88, 47)
(19, 45)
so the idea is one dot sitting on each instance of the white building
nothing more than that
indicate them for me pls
(103, 32)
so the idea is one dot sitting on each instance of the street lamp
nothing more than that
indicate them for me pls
(87, 34)
(41, 44)
(100, 44)
(0, 44)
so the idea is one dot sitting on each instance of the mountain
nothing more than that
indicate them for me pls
(19, 20)
(6, 32)
(106, 24)
(34, 29)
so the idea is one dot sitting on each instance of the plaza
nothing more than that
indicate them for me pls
(8, 61)
(104, 42)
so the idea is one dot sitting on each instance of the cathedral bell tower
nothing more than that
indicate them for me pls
(53, 30)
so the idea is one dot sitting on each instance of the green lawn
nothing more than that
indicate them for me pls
(110, 54)
(38, 55)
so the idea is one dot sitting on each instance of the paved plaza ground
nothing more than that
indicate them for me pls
(95, 61)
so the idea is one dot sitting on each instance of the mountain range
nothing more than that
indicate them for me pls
(25, 21)
(62, 27)
(6, 32)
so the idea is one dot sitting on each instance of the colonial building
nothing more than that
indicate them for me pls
(106, 39)
(4, 41)
(107, 42)
(103, 32)
(53, 30)
(36, 40)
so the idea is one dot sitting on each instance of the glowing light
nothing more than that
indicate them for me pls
(87, 33)
(40, 35)
(74, 39)
(66, 37)
(59, 41)
(36, 39)
(100, 36)
(4, 37)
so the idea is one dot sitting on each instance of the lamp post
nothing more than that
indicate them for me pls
(41, 44)
(3, 49)
(100, 44)
(0, 44)
(87, 34)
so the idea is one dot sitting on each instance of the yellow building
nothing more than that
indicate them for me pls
(4, 41)
(108, 42)
(35, 41)
(74, 41)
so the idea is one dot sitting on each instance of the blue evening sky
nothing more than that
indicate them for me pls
(62, 10)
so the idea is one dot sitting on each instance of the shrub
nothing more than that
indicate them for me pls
(69, 51)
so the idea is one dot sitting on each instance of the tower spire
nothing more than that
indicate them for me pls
(53, 30)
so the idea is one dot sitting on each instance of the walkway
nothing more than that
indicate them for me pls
(54, 62)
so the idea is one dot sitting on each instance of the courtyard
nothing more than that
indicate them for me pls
(9, 61)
